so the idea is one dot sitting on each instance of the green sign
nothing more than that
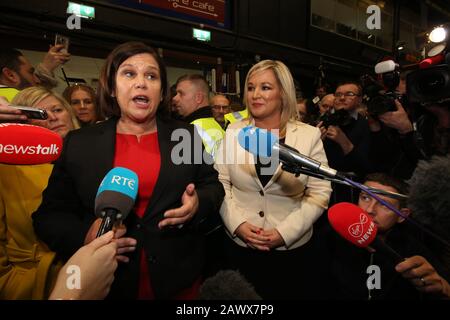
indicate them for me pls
(81, 10)
(201, 35)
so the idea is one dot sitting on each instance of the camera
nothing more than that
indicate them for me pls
(377, 99)
(431, 85)
(335, 118)
(430, 82)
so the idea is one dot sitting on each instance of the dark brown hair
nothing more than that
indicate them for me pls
(67, 94)
(399, 185)
(107, 82)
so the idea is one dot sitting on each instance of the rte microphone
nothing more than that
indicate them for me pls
(24, 144)
(356, 226)
(115, 197)
(261, 142)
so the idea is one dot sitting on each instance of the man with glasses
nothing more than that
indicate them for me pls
(347, 146)
(220, 105)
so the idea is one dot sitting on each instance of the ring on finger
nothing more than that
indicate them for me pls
(424, 283)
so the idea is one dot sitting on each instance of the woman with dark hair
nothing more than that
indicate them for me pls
(163, 253)
(82, 99)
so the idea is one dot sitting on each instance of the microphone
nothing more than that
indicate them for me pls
(115, 197)
(24, 144)
(227, 285)
(261, 142)
(386, 66)
(429, 196)
(355, 225)
(390, 65)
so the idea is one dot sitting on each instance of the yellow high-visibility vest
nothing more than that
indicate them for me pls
(235, 116)
(8, 93)
(211, 133)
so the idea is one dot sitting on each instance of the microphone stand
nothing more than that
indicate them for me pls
(302, 170)
(297, 170)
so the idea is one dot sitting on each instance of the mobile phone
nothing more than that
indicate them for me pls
(59, 39)
(33, 113)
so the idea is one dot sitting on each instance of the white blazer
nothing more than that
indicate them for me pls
(289, 204)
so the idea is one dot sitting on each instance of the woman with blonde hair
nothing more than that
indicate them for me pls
(28, 268)
(269, 213)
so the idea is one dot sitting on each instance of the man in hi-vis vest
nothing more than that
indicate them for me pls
(191, 103)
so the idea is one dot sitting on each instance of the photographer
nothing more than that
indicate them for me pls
(398, 142)
(347, 143)
(393, 150)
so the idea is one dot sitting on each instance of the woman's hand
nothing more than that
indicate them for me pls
(89, 273)
(252, 236)
(275, 239)
(183, 214)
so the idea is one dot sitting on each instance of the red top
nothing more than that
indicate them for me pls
(143, 157)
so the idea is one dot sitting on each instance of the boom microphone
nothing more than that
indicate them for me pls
(429, 196)
(356, 226)
(227, 285)
(115, 197)
(262, 143)
(24, 144)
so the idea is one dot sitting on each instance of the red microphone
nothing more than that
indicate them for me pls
(355, 225)
(352, 223)
(26, 144)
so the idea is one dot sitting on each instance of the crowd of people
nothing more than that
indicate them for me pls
(212, 205)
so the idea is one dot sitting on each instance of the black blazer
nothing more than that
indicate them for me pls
(175, 256)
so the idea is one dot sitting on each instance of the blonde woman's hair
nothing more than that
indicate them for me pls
(33, 95)
(287, 88)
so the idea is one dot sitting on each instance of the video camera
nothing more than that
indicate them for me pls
(428, 83)
(431, 83)
(378, 99)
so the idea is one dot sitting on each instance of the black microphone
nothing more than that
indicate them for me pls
(262, 143)
(115, 197)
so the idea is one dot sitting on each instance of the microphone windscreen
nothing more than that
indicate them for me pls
(24, 144)
(118, 190)
(227, 285)
(258, 142)
(352, 223)
(429, 194)
(385, 66)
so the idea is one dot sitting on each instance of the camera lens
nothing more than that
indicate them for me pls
(432, 84)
